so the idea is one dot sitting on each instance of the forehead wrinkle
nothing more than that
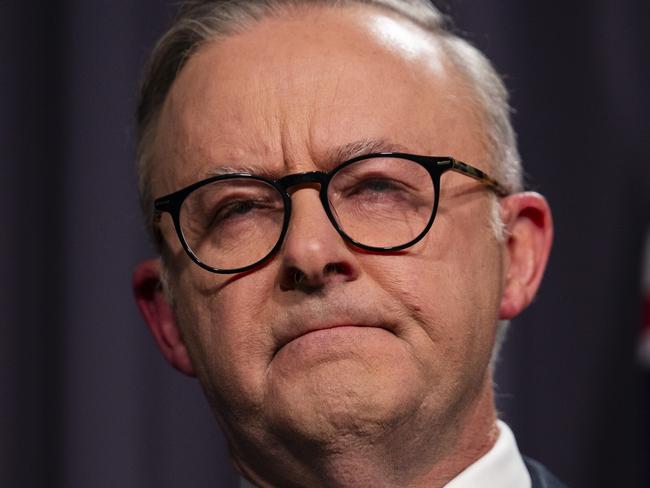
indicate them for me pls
(200, 109)
(332, 157)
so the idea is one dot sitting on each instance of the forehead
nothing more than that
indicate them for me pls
(289, 89)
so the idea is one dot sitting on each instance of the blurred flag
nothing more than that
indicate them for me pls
(644, 342)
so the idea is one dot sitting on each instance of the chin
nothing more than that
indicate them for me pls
(344, 400)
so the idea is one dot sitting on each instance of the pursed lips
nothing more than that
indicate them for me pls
(303, 330)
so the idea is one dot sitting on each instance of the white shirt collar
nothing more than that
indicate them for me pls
(501, 467)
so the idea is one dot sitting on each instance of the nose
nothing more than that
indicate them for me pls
(314, 255)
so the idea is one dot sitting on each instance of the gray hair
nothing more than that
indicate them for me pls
(199, 22)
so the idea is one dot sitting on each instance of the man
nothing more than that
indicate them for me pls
(342, 236)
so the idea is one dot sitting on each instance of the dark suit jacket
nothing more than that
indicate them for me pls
(541, 477)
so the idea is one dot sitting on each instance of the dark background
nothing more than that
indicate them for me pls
(87, 401)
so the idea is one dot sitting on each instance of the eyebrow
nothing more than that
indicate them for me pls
(334, 157)
(241, 168)
(361, 147)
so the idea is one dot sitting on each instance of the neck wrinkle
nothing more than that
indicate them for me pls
(473, 435)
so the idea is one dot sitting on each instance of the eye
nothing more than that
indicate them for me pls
(379, 185)
(234, 210)
(375, 188)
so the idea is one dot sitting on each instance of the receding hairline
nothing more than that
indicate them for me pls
(294, 11)
(455, 86)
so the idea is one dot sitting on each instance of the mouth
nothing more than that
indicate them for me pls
(335, 331)
(327, 329)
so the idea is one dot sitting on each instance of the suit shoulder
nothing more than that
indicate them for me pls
(540, 476)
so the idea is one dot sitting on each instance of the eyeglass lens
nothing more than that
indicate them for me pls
(379, 202)
(382, 202)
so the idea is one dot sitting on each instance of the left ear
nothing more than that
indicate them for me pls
(529, 235)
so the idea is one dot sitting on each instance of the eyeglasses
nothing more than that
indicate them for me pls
(379, 202)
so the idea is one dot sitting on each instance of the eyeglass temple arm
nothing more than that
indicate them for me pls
(480, 176)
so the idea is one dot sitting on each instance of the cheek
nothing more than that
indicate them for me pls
(450, 294)
(228, 336)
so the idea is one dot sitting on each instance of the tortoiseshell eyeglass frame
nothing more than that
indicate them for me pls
(436, 166)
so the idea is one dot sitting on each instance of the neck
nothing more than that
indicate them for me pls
(423, 455)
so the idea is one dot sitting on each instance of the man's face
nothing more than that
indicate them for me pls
(367, 343)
